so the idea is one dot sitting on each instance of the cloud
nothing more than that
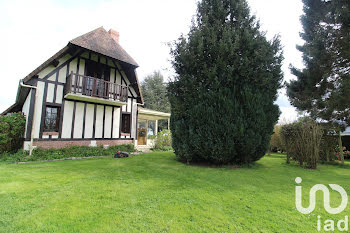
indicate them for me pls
(37, 29)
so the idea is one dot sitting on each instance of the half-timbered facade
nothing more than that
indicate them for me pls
(86, 94)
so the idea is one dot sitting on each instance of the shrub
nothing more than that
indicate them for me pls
(67, 152)
(276, 140)
(18, 156)
(12, 129)
(302, 140)
(347, 154)
(162, 140)
(329, 145)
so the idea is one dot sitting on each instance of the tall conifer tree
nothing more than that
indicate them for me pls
(227, 77)
(322, 88)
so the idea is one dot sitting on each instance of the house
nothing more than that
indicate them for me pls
(86, 94)
(346, 138)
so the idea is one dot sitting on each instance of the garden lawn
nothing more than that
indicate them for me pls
(156, 193)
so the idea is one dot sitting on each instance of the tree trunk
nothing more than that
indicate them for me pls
(327, 154)
(340, 148)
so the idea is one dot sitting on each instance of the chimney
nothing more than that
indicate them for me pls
(114, 34)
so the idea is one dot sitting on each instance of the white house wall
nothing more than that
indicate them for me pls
(80, 120)
(38, 108)
(25, 109)
(134, 119)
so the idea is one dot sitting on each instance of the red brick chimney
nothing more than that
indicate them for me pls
(115, 35)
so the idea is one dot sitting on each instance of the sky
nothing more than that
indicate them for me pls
(32, 31)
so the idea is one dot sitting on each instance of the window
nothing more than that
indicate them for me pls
(52, 118)
(151, 128)
(125, 123)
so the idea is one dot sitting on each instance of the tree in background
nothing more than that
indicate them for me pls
(276, 143)
(12, 130)
(154, 92)
(322, 88)
(227, 77)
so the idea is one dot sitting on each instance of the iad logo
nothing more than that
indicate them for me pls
(328, 225)
(325, 190)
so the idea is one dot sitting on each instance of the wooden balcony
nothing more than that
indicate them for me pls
(90, 89)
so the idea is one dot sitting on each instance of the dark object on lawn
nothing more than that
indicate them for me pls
(121, 155)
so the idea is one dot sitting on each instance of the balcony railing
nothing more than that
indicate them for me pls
(94, 87)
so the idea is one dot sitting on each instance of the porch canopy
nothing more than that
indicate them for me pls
(147, 125)
(148, 114)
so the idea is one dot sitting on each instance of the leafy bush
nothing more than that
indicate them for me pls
(12, 129)
(67, 152)
(302, 140)
(20, 155)
(347, 154)
(276, 140)
(162, 140)
(329, 145)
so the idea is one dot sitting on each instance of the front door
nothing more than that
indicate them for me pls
(142, 132)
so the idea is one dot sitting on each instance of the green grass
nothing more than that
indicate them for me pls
(155, 193)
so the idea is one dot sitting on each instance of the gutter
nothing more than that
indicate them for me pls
(21, 84)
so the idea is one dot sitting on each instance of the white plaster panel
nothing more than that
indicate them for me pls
(67, 119)
(112, 75)
(116, 122)
(99, 121)
(78, 121)
(26, 108)
(59, 94)
(38, 108)
(118, 81)
(94, 57)
(89, 121)
(134, 119)
(82, 66)
(62, 74)
(45, 71)
(73, 66)
(103, 60)
(52, 77)
(50, 92)
(85, 54)
(110, 63)
(129, 105)
(108, 122)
